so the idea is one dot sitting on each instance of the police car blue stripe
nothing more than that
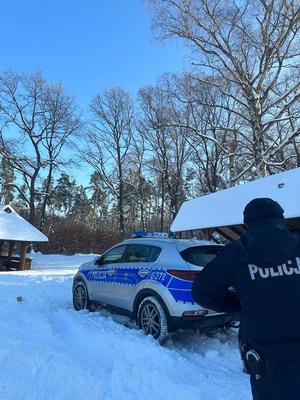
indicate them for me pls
(178, 288)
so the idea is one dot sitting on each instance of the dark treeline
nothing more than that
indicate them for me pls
(233, 118)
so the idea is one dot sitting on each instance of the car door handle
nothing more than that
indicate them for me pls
(143, 272)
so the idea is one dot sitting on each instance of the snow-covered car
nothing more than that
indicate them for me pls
(149, 279)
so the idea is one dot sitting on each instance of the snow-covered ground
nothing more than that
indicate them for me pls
(48, 351)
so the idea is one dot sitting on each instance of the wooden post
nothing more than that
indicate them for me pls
(204, 235)
(23, 251)
(1, 247)
(10, 249)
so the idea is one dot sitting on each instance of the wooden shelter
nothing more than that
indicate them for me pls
(222, 212)
(16, 234)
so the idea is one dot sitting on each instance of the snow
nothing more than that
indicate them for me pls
(14, 227)
(226, 207)
(49, 351)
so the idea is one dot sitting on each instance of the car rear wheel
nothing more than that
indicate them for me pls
(152, 319)
(80, 296)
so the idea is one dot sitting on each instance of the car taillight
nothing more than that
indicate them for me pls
(182, 274)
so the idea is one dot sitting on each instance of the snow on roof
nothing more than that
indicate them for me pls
(14, 227)
(225, 208)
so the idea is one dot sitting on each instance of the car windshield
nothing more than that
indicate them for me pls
(201, 255)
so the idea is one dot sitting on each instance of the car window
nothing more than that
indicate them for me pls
(154, 253)
(141, 253)
(200, 255)
(114, 255)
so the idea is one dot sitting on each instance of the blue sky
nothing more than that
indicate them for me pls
(88, 45)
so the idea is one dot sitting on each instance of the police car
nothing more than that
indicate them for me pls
(149, 278)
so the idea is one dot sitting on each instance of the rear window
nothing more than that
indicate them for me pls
(200, 255)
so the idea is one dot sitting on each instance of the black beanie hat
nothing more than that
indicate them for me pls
(261, 208)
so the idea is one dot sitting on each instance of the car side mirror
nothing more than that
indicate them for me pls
(99, 261)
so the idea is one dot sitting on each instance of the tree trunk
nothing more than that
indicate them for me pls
(31, 218)
(162, 216)
(121, 210)
(46, 198)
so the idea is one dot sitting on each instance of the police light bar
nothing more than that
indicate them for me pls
(161, 235)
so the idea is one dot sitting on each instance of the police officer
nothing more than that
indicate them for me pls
(263, 267)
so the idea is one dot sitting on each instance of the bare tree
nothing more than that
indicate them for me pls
(108, 142)
(211, 131)
(62, 123)
(180, 146)
(138, 161)
(152, 125)
(38, 119)
(167, 145)
(254, 45)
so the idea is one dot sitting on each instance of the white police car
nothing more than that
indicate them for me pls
(149, 279)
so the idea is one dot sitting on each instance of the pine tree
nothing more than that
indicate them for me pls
(64, 193)
(99, 200)
(7, 178)
(81, 208)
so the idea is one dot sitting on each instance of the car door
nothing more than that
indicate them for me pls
(131, 273)
(104, 275)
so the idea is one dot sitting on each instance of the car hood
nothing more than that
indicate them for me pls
(88, 264)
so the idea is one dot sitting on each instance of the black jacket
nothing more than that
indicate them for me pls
(264, 268)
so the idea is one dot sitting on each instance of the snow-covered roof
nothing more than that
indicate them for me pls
(225, 208)
(14, 227)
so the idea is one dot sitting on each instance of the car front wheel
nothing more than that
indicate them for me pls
(80, 296)
(152, 319)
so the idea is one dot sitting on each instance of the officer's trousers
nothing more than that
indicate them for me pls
(281, 381)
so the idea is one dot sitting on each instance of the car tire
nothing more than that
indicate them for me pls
(152, 319)
(80, 296)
